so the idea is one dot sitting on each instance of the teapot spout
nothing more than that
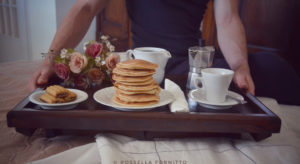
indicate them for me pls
(167, 54)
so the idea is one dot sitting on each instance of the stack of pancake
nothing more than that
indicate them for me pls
(134, 84)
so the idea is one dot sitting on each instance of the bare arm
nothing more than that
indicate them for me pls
(232, 41)
(70, 32)
(76, 23)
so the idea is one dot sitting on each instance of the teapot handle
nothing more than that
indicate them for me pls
(129, 54)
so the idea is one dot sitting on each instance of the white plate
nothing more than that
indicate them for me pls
(199, 96)
(105, 95)
(81, 96)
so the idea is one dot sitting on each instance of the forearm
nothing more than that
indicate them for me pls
(75, 24)
(232, 41)
(231, 33)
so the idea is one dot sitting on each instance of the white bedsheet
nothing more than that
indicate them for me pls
(283, 147)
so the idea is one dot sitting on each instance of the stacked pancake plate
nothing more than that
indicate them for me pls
(134, 87)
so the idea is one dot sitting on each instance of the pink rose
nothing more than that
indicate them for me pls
(77, 62)
(111, 61)
(94, 50)
(62, 71)
(81, 82)
(96, 75)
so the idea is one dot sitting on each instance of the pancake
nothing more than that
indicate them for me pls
(134, 84)
(136, 88)
(137, 98)
(135, 104)
(119, 78)
(132, 72)
(148, 82)
(137, 64)
(155, 91)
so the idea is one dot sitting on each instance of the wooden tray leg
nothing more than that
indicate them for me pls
(260, 136)
(25, 131)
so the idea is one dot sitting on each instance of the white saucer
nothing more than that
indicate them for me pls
(199, 96)
(81, 96)
(105, 95)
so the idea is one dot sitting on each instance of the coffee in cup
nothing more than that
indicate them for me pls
(215, 82)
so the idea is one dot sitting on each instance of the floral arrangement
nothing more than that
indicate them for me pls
(88, 69)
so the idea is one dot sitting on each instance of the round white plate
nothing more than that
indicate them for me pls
(199, 96)
(105, 95)
(81, 96)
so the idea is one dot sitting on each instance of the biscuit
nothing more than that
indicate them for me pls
(137, 64)
(132, 79)
(71, 97)
(51, 99)
(58, 94)
(135, 104)
(57, 91)
(132, 72)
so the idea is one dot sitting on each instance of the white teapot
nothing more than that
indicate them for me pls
(152, 54)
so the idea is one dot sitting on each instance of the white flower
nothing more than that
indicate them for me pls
(85, 45)
(104, 37)
(108, 43)
(111, 48)
(64, 53)
(98, 61)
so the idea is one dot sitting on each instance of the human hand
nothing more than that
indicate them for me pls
(41, 76)
(242, 78)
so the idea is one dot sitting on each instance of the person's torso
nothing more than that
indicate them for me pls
(170, 24)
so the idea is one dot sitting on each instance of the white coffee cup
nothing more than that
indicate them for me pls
(155, 55)
(215, 82)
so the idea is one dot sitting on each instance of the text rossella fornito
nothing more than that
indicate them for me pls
(151, 162)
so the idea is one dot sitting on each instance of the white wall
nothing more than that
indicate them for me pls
(39, 20)
(62, 7)
(41, 26)
(14, 44)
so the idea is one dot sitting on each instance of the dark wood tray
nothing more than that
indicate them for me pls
(91, 117)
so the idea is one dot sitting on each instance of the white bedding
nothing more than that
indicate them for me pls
(279, 148)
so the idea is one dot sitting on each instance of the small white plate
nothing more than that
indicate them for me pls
(81, 96)
(199, 96)
(105, 95)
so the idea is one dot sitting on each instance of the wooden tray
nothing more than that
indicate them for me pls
(91, 117)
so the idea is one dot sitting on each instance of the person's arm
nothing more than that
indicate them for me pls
(70, 32)
(232, 41)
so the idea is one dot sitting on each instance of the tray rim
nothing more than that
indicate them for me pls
(24, 118)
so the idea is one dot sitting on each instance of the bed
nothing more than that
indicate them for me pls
(107, 148)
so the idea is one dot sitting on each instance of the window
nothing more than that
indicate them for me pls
(9, 18)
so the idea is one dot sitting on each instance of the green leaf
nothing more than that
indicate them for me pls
(70, 50)
(58, 59)
(91, 42)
